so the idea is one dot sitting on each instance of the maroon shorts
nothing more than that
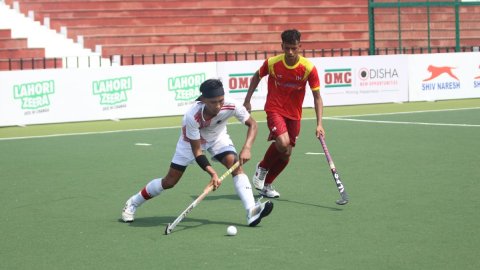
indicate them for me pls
(277, 124)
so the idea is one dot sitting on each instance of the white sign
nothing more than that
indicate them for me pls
(67, 95)
(236, 77)
(444, 76)
(363, 79)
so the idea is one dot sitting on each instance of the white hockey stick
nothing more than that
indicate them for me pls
(171, 226)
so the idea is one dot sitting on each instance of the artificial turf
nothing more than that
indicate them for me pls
(413, 188)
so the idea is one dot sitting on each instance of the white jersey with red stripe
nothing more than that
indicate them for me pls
(195, 127)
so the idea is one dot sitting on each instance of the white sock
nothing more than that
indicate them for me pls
(152, 189)
(138, 199)
(244, 190)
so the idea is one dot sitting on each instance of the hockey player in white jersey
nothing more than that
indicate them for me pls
(204, 130)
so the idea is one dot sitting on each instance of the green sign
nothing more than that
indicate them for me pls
(112, 91)
(186, 87)
(34, 95)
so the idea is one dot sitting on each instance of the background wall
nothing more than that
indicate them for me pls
(61, 95)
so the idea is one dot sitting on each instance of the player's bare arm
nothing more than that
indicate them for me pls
(318, 102)
(198, 153)
(245, 153)
(253, 85)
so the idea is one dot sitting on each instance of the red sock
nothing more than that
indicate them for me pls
(270, 157)
(275, 170)
(145, 194)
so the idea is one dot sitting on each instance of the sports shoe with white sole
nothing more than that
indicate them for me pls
(269, 191)
(259, 211)
(259, 177)
(128, 212)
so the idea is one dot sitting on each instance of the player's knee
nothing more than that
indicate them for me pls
(228, 158)
(283, 145)
(286, 155)
(169, 182)
(173, 176)
(238, 171)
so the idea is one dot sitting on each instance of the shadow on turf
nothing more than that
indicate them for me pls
(162, 222)
(187, 223)
(235, 197)
(219, 197)
(310, 204)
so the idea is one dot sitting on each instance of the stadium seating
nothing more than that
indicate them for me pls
(147, 27)
(15, 54)
(415, 26)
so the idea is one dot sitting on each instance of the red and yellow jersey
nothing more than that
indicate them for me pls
(286, 85)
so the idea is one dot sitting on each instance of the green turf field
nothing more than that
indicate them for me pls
(411, 170)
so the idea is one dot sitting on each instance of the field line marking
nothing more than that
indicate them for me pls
(85, 133)
(259, 121)
(393, 113)
(402, 122)
(409, 112)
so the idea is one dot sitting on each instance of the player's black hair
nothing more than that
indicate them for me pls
(210, 84)
(291, 36)
(211, 88)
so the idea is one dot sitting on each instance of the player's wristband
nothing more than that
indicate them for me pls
(202, 161)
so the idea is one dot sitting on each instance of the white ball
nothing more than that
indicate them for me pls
(232, 230)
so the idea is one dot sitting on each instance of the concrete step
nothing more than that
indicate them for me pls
(26, 5)
(434, 33)
(228, 56)
(417, 50)
(13, 43)
(422, 17)
(22, 53)
(75, 31)
(184, 38)
(425, 10)
(5, 33)
(211, 11)
(423, 42)
(226, 46)
(42, 41)
(216, 19)
(406, 26)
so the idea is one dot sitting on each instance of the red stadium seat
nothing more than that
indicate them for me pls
(146, 27)
(224, 26)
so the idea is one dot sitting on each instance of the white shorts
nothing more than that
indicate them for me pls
(184, 156)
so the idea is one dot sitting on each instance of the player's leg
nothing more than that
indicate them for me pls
(151, 190)
(279, 133)
(241, 182)
(224, 152)
(293, 127)
(182, 158)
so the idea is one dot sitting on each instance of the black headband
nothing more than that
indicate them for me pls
(213, 92)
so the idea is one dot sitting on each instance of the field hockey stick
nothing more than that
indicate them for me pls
(171, 226)
(336, 176)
